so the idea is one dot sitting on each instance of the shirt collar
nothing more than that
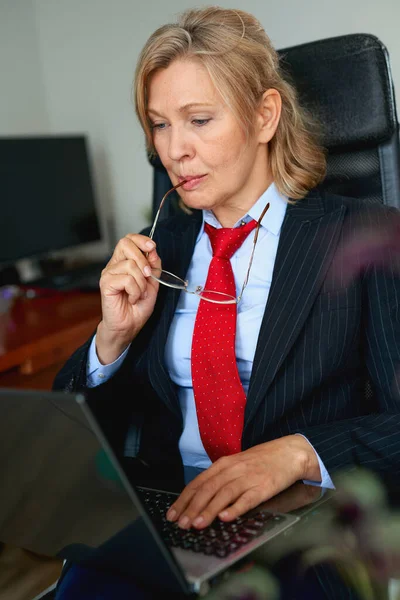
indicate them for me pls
(272, 220)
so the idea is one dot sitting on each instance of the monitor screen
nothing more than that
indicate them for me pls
(46, 196)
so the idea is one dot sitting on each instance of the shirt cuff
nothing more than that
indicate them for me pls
(96, 373)
(326, 481)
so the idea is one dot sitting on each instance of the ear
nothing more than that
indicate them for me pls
(268, 115)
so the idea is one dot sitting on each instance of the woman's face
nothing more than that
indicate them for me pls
(198, 138)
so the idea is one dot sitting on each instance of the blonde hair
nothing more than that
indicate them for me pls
(242, 63)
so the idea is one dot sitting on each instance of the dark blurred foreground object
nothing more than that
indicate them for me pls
(350, 550)
(374, 245)
(346, 83)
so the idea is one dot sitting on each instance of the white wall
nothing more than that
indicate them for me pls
(87, 53)
(22, 99)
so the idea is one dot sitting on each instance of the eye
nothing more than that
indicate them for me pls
(200, 122)
(158, 126)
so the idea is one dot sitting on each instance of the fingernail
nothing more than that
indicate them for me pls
(183, 522)
(223, 514)
(198, 521)
(150, 245)
(147, 271)
(171, 514)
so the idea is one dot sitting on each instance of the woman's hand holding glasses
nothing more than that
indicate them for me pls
(128, 295)
(129, 290)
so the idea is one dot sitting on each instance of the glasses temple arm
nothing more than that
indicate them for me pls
(161, 205)
(252, 252)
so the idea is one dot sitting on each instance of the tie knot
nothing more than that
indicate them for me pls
(226, 241)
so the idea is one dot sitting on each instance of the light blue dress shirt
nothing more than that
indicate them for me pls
(249, 316)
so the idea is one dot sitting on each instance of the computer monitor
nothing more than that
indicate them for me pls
(46, 196)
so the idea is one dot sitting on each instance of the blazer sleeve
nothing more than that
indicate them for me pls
(72, 376)
(371, 440)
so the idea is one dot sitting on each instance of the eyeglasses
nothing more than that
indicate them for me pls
(173, 281)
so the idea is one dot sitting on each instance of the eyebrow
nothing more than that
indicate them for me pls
(183, 108)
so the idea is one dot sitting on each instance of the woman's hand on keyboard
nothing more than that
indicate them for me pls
(235, 484)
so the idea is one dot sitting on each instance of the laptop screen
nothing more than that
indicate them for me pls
(59, 487)
(63, 493)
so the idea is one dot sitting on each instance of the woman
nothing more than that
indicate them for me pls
(253, 396)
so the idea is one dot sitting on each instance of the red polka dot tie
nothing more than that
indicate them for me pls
(219, 394)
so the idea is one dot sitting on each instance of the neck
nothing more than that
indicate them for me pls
(259, 180)
(228, 215)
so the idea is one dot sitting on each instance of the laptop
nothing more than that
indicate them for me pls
(65, 494)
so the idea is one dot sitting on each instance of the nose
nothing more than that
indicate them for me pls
(179, 144)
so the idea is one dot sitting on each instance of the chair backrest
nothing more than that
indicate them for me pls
(346, 82)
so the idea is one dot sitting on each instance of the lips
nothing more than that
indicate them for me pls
(189, 177)
(191, 181)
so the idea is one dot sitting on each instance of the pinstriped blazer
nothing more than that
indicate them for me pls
(321, 345)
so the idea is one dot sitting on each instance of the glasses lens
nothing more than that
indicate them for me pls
(169, 279)
(216, 297)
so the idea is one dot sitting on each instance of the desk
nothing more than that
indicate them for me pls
(37, 336)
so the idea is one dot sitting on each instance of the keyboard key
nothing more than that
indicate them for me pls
(233, 546)
(241, 539)
(254, 524)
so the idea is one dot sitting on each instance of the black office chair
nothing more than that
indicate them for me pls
(346, 81)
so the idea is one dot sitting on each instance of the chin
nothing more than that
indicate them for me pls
(196, 201)
(197, 205)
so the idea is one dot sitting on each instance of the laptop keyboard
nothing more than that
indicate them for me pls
(218, 539)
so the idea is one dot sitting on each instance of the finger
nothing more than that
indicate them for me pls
(129, 267)
(154, 260)
(142, 241)
(198, 503)
(155, 264)
(224, 498)
(249, 499)
(112, 285)
(176, 510)
(198, 508)
(133, 247)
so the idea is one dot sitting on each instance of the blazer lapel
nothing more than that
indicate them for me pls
(308, 238)
(179, 245)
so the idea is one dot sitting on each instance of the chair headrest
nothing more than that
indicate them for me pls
(346, 82)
